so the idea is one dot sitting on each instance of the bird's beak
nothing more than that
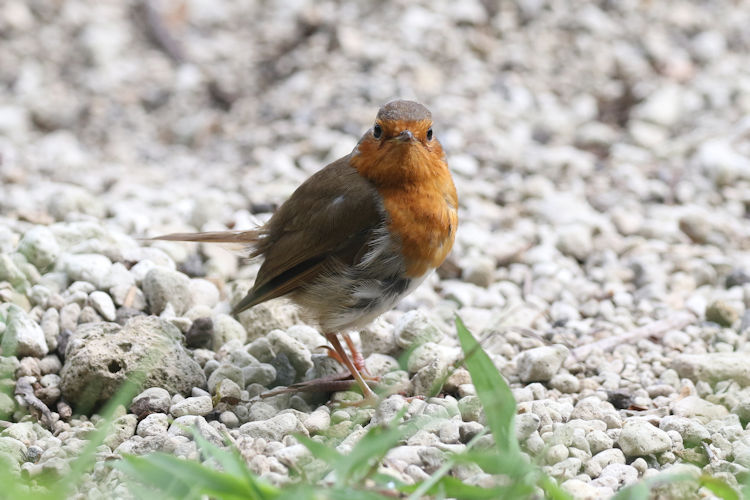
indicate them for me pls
(405, 136)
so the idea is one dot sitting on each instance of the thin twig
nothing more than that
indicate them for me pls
(655, 329)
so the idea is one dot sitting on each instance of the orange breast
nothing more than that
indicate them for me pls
(418, 193)
(424, 218)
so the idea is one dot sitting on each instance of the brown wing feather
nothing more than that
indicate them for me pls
(329, 218)
(327, 221)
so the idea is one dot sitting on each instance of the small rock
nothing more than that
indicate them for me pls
(694, 406)
(714, 367)
(152, 400)
(691, 431)
(103, 304)
(93, 268)
(601, 460)
(565, 383)
(737, 277)
(226, 329)
(184, 425)
(479, 271)
(154, 424)
(163, 286)
(263, 374)
(274, 428)
(541, 363)
(225, 371)
(318, 421)
(40, 247)
(378, 337)
(203, 292)
(721, 313)
(200, 405)
(639, 438)
(260, 320)
(228, 392)
(200, 334)
(471, 409)
(415, 328)
(428, 381)
(299, 356)
(575, 240)
(122, 429)
(23, 336)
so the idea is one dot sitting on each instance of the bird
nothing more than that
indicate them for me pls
(359, 234)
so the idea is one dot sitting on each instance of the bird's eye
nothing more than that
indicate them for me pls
(377, 131)
(429, 134)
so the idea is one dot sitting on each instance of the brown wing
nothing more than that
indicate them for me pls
(331, 216)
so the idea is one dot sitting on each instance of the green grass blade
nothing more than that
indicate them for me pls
(194, 476)
(497, 399)
(368, 452)
(451, 487)
(233, 464)
(719, 488)
(141, 469)
(320, 451)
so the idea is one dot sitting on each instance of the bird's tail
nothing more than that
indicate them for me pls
(246, 237)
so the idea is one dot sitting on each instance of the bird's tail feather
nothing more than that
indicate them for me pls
(250, 236)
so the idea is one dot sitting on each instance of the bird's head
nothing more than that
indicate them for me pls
(400, 147)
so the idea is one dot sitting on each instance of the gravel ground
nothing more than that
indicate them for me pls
(601, 152)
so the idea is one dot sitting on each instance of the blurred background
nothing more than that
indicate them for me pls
(198, 114)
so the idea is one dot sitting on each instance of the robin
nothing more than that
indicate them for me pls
(360, 234)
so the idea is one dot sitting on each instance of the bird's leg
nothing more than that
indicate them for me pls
(357, 359)
(368, 394)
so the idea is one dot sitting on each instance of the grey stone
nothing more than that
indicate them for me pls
(103, 304)
(268, 316)
(69, 316)
(203, 292)
(307, 336)
(692, 432)
(261, 350)
(599, 461)
(200, 334)
(227, 328)
(23, 336)
(263, 374)
(229, 392)
(163, 286)
(93, 268)
(13, 448)
(229, 419)
(122, 428)
(415, 328)
(151, 400)
(299, 356)
(153, 425)
(693, 406)
(231, 372)
(273, 429)
(722, 313)
(100, 356)
(10, 272)
(541, 363)
(378, 337)
(184, 425)
(40, 247)
(639, 438)
(201, 405)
